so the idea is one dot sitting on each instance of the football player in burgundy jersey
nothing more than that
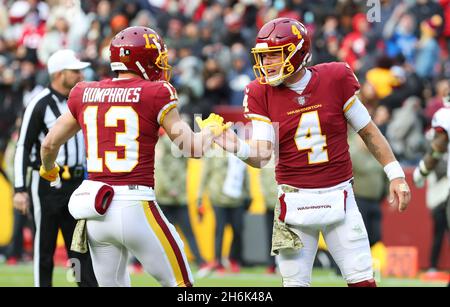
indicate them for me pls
(120, 119)
(439, 146)
(311, 108)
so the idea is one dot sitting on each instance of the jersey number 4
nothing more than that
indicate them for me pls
(309, 137)
(126, 139)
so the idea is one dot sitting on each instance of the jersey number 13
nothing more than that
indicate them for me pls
(126, 139)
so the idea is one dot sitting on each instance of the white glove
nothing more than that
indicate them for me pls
(420, 174)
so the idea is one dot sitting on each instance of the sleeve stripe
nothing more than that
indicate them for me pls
(261, 120)
(164, 110)
(27, 115)
(357, 114)
(19, 180)
(19, 158)
(349, 104)
(258, 117)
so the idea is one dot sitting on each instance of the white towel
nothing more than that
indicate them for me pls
(90, 200)
(313, 209)
(234, 180)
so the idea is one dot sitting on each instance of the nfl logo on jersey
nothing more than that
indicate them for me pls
(301, 100)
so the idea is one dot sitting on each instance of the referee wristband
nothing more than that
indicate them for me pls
(244, 150)
(394, 170)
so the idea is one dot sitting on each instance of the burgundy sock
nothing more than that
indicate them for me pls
(365, 283)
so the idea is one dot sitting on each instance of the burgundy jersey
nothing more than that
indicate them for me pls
(312, 131)
(120, 119)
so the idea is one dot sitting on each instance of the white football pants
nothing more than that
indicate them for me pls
(347, 242)
(142, 229)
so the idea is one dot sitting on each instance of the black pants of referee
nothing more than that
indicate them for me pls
(51, 213)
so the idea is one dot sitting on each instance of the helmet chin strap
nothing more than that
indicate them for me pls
(306, 60)
(279, 77)
(276, 83)
(144, 74)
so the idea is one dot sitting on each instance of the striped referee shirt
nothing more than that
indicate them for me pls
(40, 115)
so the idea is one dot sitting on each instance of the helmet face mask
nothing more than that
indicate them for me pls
(142, 51)
(284, 65)
(162, 62)
(287, 37)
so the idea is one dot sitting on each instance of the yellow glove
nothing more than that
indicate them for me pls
(50, 175)
(213, 122)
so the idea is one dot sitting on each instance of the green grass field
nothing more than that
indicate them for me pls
(22, 276)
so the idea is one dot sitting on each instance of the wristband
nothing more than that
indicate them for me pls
(394, 170)
(244, 150)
